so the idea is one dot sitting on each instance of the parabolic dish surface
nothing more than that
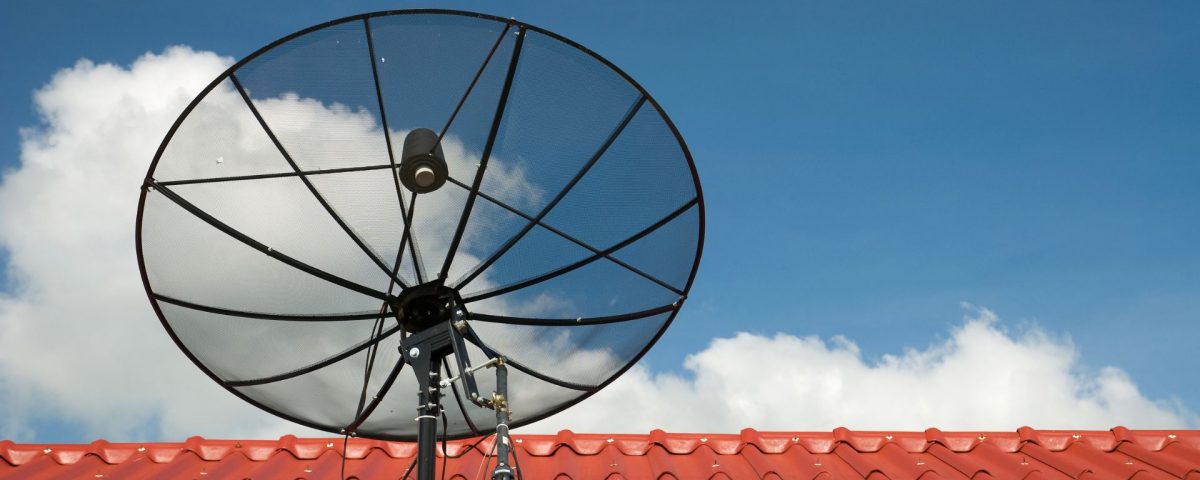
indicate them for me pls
(273, 231)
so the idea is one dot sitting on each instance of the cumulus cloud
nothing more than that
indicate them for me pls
(79, 344)
(982, 377)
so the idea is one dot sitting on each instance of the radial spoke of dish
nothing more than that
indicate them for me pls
(612, 137)
(478, 73)
(376, 331)
(408, 238)
(566, 236)
(387, 138)
(308, 183)
(570, 322)
(331, 317)
(641, 353)
(487, 153)
(470, 335)
(315, 366)
(306, 173)
(263, 248)
(400, 253)
(366, 411)
(554, 273)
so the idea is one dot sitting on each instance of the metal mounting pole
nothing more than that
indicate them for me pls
(500, 401)
(424, 351)
(428, 409)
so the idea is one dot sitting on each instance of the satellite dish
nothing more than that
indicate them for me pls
(346, 226)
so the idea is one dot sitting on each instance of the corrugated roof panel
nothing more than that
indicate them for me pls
(842, 454)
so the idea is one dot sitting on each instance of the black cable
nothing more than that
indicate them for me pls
(409, 469)
(458, 398)
(473, 446)
(345, 443)
(445, 433)
(487, 459)
(516, 461)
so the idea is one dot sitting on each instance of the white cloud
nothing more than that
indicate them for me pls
(78, 342)
(80, 345)
(981, 377)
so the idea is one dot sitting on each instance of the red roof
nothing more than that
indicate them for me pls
(1119, 453)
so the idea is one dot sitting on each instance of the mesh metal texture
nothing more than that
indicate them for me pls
(274, 233)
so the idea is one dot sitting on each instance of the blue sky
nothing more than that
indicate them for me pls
(867, 167)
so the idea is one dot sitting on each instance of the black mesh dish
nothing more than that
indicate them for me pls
(274, 233)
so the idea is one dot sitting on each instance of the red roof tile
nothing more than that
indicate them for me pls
(842, 454)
